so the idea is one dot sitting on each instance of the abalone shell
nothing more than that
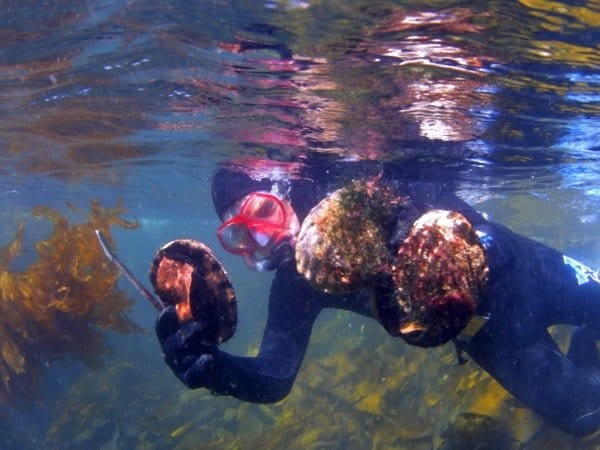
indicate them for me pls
(341, 246)
(435, 280)
(186, 274)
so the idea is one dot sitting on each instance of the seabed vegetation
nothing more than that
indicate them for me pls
(59, 307)
(358, 390)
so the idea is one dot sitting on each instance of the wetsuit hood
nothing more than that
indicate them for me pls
(235, 179)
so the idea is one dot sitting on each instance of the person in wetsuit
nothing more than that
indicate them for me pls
(529, 288)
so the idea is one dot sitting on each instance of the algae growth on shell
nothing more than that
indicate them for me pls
(341, 246)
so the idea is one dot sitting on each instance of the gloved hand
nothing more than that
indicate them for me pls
(185, 353)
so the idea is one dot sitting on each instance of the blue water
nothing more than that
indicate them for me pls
(140, 101)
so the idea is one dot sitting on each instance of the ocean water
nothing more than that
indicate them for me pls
(136, 103)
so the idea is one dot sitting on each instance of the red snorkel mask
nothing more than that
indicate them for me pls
(256, 226)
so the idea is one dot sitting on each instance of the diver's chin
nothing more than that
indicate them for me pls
(282, 252)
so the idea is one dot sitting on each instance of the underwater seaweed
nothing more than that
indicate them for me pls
(59, 306)
(359, 391)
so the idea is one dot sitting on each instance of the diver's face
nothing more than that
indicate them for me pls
(262, 228)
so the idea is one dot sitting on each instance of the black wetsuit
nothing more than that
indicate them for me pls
(530, 288)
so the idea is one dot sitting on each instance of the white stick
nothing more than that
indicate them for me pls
(112, 257)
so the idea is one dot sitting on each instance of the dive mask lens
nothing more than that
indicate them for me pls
(253, 226)
(261, 207)
(235, 238)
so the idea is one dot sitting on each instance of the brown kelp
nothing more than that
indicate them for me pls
(60, 305)
(358, 390)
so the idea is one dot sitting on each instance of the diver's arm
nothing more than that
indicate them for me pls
(544, 379)
(269, 376)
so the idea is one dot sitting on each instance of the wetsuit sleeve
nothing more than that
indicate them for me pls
(269, 376)
(532, 290)
(544, 379)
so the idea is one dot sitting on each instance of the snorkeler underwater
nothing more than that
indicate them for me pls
(407, 253)
(350, 225)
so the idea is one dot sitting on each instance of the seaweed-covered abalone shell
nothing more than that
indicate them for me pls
(436, 279)
(341, 246)
(185, 273)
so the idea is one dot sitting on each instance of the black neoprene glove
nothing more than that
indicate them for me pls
(189, 359)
